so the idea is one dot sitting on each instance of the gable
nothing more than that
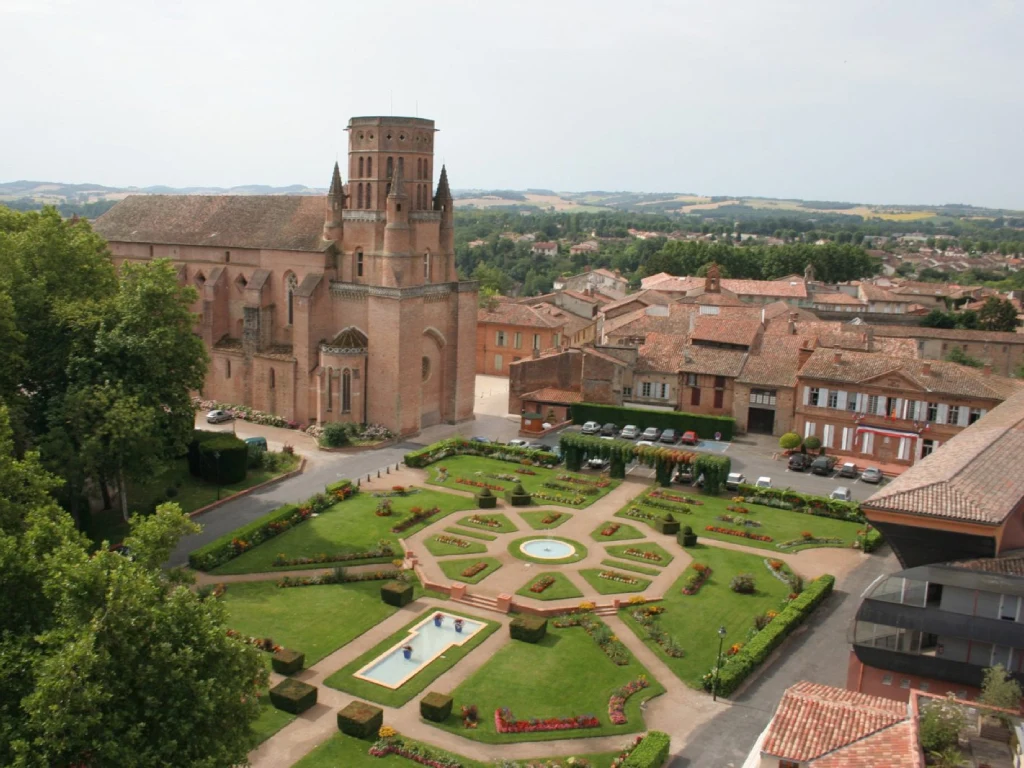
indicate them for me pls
(894, 380)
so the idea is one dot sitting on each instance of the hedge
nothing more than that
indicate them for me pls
(664, 459)
(529, 629)
(736, 669)
(436, 707)
(223, 459)
(231, 545)
(715, 469)
(293, 696)
(396, 593)
(651, 752)
(198, 436)
(704, 426)
(808, 504)
(287, 661)
(361, 720)
(458, 446)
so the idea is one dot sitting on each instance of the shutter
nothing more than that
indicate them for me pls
(983, 412)
(943, 415)
(822, 398)
(964, 415)
(808, 429)
(905, 409)
(841, 400)
(861, 402)
(827, 431)
(897, 410)
(846, 438)
(903, 453)
(869, 442)
(922, 410)
(807, 395)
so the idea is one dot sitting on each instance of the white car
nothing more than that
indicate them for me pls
(216, 417)
(732, 482)
(763, 482)
(591, 428)
(841, 493)
(518, 443)
(630, 432)
(643, 442)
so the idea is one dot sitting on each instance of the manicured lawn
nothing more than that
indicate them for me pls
(536, 519)
(622, 550)
(631, 567)
(313, 620)
(347, 527)
(610, 586)
(504, 525)
(344, 681)
(515, 551)
(560, 590)
(440, 548)
(693, 620)
(565, 674)
(342, 751)
(453, 569)
(623, 533)
(502, 476)
(190, 493)
(270, 721)
(472, 534)
(782, 525)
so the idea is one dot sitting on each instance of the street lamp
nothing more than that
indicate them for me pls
(216, 456)
(718, 666)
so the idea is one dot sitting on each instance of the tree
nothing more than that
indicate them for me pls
(940, 725)
(812, 443)
(997, 314)
(939, 319)
(957, 355)
(998, 689)
(790, 441)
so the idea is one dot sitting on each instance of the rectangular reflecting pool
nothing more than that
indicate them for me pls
(392, 670)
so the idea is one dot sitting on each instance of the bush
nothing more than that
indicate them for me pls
(486, 499)
(667, 524)
(518, 497)
(743, 583)
(940, 725)
(223, 459)
(704, 426)
(171, 492)
(458, 446)
(715, 470)
(790, 441)
(436, 707)
(361, 720)
(287, 661)
(687, 537)
(396, 593)
(529, 629)
(812, 443)
(198, 436)
(334, 435)
(651, 752)
(293, 696)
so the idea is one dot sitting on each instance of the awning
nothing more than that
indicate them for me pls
(888, 432)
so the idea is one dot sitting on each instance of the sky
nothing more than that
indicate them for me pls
(877, 101)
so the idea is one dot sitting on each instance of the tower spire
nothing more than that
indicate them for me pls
(336, 187)
(396, 183)
(444, 193)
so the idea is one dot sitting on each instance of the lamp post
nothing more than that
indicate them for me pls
(216, 456)
(718, 666)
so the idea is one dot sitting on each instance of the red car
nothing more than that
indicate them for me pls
(689, 438)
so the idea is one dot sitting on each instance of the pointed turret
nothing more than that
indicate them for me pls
(443, 202)
(335, 206)
(396, 232)
(336, 187)
(442, 199)
(397, 188)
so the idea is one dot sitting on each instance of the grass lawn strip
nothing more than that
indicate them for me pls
(349, 752)
(536, 519)
(347, 527)
(270, 721)
(630, 567)
(620, 551)
(568, 674)
(504, 525)
(453, 569)
(515, 551)
(297, 618)
(623, 533)
(693, 620)
(560, 590)
(441, 548)
(467, 467)
(611, 586)
(471, 534)
(343, 680)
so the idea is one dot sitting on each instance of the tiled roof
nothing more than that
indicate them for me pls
(609, 274)
(975, 476)
(644, 297)
(790, 289)
(670, 283)
(776, 363)
(1007, 564)
(712, 361)
(602, 356)
(813, 720)
(580, 296)
(781, 309)
(836, 298)
(942, 378)
(660, 352)
(953, 334)
(511, 313)
(640, 323)
(725, 329)
(892, 747)
(875, 293)
(547, 246)
(554, 395)
(278, 222)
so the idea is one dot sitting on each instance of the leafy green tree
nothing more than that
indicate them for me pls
(790, 441)
(939, 319)
(957, 355)
(940, 725)
(997, 314)
(812, 443)
(998, 689)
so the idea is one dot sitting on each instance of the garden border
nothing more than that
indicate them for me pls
(246, 491)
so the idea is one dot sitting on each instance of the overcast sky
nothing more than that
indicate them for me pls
(887, 101)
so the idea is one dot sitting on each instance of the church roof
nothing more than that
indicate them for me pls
(273, 222)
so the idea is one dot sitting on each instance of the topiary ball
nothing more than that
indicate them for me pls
(486, 492)
(668, 518)
(519, 490)
(687, 529)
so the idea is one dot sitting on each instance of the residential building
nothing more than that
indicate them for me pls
(877, 408)
(611, 284)
(508, 331)
(339, 309)
(548, 249)
(1004, 351)
(587, 246)
(764, 396)
(792, 289)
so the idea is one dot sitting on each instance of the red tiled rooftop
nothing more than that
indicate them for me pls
(554, 395)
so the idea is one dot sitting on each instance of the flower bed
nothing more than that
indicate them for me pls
(740, 534)
(804, 540)
(525, 471)
(617, 702)
(584, 481)
(610, 530)
(487, 522)
(575, 501)
(418, 516)
(474, 569)
(666, 496)
(681, 509)
(652, 556)
(453, 540)
(417, 753)
(701, 573)
(739, 521)
(384, 508)
(263, 643)
(647, 619)
(639, 514)
(338, 576)
(738, 509)
(479, 484)
(551, 517)
(599, 632)
(498, 476)
(384, 550)
(542, 583)
(505, 722)
(586, 490)
(621, 578)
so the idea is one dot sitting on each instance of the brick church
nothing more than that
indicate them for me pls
(348, 309)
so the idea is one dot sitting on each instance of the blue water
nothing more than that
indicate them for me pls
(547, 549)
(715, 446)
(428, 643)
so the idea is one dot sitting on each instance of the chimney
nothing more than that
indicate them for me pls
(837, 356)
(792, 323)
(926, 369)
(987, 370)
(804, 354)
(871, 338)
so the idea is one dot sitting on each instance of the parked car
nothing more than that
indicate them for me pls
(652, 433)
(841, 493)
(798, 462)
(517, 443)
(591, 428)
(823, 465)
(610, 430)
(668, 436)
(256, 443)
(872, 475)
(647, 443)
(763, 482)
(630, 432)
(536, 447)
(597, 463)
(849, 469)
(479, 439)
(689, 438)
(684, 474)
(216, 417)
(733, 481)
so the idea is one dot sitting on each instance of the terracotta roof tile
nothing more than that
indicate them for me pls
(725, 329)
(644, 297)
(998, 337)
(278, 222)
(510, 313)
(661, 352)
(1007, 564)
(836, 298)
(554, 395)
(776, 363)
(788, 289)
(892, 747)
(713, 361)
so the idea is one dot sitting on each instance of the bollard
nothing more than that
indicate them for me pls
(378, 474)
(389, 469)
(367, 477)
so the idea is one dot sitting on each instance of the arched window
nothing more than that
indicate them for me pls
(359, 263)
(369, 167)
(426, 267)
(401, 166)
(292, 285)
(229, 369)
(346, 391)
(419, 167)
(273, 379)
(330, 389)
(369, 197)
(361, 161)
(426, 169)
(419, 197)
(359, 196)
(391, 168)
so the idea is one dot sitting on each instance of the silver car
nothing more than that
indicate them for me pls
(871, 475)
(216, 417)
(630, 432)
(841, 493)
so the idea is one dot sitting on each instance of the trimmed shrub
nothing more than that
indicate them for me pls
(198, 436)
(617, 468)
(436, 707)
(687, 538)
(287, 662)
(651, 752)
(334, 435)
(704, 426)
(223, 459)
(743, 583)
(667, 524)
(458, 446)
(812, 443)
(518, 497)
(790, 441)
(486, 499)
(529, 629)
(396, 593)
(293, 696)
(361, 720)
(715, 470)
